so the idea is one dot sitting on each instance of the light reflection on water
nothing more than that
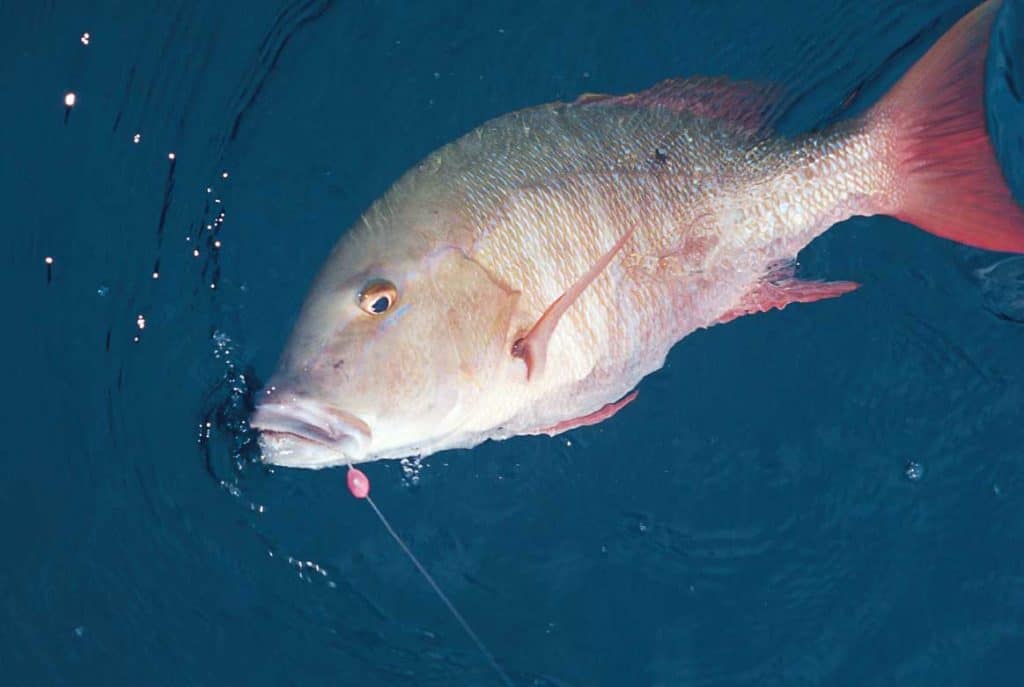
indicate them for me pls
(793, 492)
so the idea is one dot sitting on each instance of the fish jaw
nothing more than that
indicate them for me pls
(300, 432)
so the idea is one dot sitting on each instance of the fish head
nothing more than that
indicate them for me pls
(401, 336)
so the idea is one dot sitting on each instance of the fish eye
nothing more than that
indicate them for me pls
(377, 296)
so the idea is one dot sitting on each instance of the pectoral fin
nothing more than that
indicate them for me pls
(533, 346)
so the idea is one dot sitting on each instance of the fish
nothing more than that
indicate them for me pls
(526, 277)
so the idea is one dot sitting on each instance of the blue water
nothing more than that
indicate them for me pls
(828, 495)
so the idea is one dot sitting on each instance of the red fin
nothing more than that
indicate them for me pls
(949, 181)
(597, 416)
(751, 105)
(533, 347)
(780, 288)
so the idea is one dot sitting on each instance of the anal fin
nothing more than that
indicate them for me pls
(779, 288)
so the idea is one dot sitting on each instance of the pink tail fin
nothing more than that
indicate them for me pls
(948, 179)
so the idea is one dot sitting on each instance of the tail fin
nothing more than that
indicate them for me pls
(948, 180)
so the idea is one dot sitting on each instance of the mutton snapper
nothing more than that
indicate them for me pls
(526, 277)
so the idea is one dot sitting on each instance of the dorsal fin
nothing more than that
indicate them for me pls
(751, 105)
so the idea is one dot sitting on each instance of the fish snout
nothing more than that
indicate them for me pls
(287, 422)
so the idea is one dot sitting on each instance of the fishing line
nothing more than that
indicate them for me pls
(359, 486)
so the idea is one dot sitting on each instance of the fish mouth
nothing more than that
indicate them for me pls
(301, 432)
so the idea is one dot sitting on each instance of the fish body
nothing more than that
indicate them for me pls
(535, 270)
(713, 209)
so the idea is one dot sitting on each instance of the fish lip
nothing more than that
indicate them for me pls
(313, 422)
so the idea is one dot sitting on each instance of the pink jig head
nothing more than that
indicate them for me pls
(359, 486)
(358, 483)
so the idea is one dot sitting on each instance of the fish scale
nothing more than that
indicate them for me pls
(540, 266)
(685, 181)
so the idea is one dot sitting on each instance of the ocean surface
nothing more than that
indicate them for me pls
(828, 495)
